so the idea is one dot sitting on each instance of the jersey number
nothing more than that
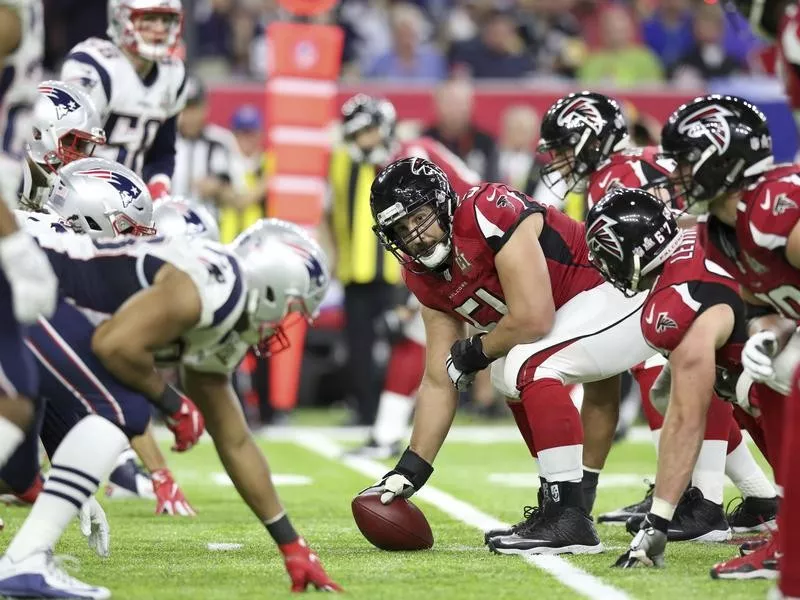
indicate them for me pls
(132, 136)
(482, 297)
(785, 298)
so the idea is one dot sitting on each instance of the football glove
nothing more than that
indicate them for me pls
(305, 568)
(466, 358)
(409, 474)
(186, 424)
(757, 355)
(159, 187)
(34, 286)
(94, 526)
(647, 547)
(169, 496)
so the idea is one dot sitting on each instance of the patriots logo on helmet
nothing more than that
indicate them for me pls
(127, 189)
(665, 322)
(582, 111)
(601, 237)
(61, 99)
(316, 272)
(709, 122)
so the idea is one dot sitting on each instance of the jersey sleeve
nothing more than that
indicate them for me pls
(774, 212)
(498, 212)
(181, 76)
(86, 67)
(633, 172)
(160, 158)
(666, 318)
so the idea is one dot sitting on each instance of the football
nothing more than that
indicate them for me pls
(399, 525)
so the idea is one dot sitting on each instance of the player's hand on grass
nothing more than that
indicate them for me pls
(94, 526)
(647, 547)
(305, 569)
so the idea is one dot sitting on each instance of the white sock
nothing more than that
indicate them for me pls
(394, 414)
(127, 454)
(709, 470)
(11, 437)
(746, 475)
(564, 463)
(656, 433)
(85, 457)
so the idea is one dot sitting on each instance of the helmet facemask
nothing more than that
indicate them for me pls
(574, 158)
(134, 22)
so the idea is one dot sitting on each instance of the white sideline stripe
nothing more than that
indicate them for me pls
(567, 574)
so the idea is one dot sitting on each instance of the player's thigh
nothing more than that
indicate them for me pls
(595, 335)
(17, 367)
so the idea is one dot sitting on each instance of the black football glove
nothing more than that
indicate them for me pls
(466, 358)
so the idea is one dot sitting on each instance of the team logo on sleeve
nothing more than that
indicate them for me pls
(602, 239)
(709, 123)
(782, 204)
(128, 190)
(582, 111)
(665, 322)
(61, 99)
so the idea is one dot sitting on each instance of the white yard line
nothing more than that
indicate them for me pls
(566, 573)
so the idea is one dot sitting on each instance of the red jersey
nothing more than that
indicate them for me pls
(639, 168)
(688, 285)
(461, 177)
(484, 220)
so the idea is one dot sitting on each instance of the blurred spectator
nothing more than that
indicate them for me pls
(455, 130)
(708, 58)
(367, 30)
(621, 60)
(498, 52)
(643, 129)
(410, 58)
(208, 166)
(68, 22)
(213, 26)
(553, 35)
(668, 31)
(518, 137)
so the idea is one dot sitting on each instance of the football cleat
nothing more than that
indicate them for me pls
(752, 514)
(761, 564)
(376, 451)
(695, 520)
(41, 576)
(529, 515)
(638, 509)
(129, 480)
(757, 542)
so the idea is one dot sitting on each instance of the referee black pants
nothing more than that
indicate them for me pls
(363, 304)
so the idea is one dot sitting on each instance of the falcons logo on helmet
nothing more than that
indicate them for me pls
(582, 111)
(61, 99)
(601, 237)
(128, 190)
(710, 123)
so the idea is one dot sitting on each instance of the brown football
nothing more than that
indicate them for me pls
(398, 525)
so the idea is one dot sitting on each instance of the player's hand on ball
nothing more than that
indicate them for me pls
(304, 568)
(392, 485)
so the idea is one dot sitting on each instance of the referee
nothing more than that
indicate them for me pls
(208, 165)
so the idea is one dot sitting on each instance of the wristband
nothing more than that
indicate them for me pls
(170, 401)
(281, 529)
(414, 468)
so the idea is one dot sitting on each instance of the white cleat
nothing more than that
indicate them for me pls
(40, 576)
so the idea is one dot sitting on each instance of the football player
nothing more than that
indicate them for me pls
(723, 150)
(693, 315)
(201, 305)
(518, 272)
(586, 136)
(138, 86)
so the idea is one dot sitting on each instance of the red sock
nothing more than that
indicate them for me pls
(774, 424)
(755, 427)
(405, 368)
(518, 410)
(734, 435)
(789, 520)
(718, 420)
(646, 378)
(29, 496)
(556, 427)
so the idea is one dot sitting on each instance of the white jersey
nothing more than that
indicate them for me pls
(132, 109)
(21, 74)
(101, 275)
(40, 223)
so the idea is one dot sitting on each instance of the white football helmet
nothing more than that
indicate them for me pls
(126, 34)
(65, 126)
(287, 277)
(102, 198)
(179, 216)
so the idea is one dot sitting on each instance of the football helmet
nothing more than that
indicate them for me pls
(65, 126)
(630, 234)
(287, 277)
(363, 112)
(579, 131)
(180, 216)
(718, 142)
(399, 191)
(126, 33)
(102, 198)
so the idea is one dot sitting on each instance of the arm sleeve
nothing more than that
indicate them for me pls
(160, 158)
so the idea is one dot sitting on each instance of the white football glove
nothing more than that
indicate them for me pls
(393, 485)
(462, 381)
(34, 285)
(757, 356)
(94, 526)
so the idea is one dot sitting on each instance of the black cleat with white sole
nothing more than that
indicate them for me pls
(637, 509)
(529, 515)
(753, 514)
(695, 520)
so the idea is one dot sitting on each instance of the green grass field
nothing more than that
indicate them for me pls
(168, 558)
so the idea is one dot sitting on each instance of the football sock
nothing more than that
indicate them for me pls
(521, 419)
(394, 414)
(589, 487)
(745, 473)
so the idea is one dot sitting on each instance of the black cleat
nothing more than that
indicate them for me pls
(695, 520)
(530, 514)
(557, 530)
(752, 514)
(639, 509)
